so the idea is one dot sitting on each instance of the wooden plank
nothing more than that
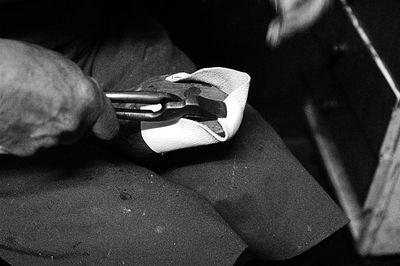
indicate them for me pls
(375, 227)
(334, 167)
(381, 233)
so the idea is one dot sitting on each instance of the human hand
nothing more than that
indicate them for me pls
(293, 16)
(45, 99)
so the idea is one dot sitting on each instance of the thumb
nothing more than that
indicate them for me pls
(107, 125)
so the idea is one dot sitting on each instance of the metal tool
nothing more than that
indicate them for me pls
(192, 106)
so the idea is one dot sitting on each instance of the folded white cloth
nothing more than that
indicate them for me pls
(168, 136)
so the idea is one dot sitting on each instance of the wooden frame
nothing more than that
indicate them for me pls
(375, 226)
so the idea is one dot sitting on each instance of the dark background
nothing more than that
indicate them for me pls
(232, 34)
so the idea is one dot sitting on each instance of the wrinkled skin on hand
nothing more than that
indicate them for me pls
(293, 16)
(45, 99)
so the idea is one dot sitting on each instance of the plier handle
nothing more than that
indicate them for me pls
(192, 106)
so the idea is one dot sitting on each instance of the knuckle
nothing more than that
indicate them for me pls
(88, 93)
(70, 122)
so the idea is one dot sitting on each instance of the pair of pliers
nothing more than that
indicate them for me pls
(191, 106)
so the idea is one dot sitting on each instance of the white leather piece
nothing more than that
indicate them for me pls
(168, 136)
